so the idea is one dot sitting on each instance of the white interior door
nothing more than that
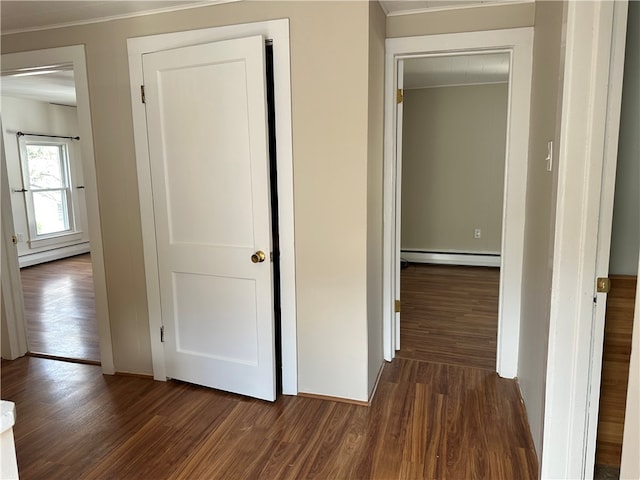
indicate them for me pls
(398, 215)
(208, 148)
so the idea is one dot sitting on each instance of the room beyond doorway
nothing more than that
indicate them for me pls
(60, 310)
(450, 314)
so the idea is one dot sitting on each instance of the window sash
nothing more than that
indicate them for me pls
(59, 209)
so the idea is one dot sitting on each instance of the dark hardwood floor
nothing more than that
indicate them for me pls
(616, 356)
(449, 314)
(427, 420)
(60, 309)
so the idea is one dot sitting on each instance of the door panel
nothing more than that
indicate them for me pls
(207, 127)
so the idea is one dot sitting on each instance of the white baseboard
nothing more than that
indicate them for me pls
(468, 259)
(55, 254)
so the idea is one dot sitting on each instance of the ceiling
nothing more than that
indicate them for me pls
(402, 7)
(31, 15)
(59, 87)
(450, 70)
(53, 85)
(21, 15)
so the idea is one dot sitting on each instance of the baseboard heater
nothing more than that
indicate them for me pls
(53, 254)
(479, 259)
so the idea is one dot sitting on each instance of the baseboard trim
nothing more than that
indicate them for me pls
(334, 399)
(46, 356)
(135, 375)
(438, 258)
(375, 385)
(54, 254)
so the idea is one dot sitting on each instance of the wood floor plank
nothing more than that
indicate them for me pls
(60, 310)
(427, 421)
(450, 314)
(615, 369)
(432, 420)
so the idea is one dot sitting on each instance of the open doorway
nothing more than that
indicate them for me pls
(622, 265)
(454, 129)
(45, 174)
(516, 44)
(67, 59)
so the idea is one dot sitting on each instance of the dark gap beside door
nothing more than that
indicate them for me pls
(275, 226)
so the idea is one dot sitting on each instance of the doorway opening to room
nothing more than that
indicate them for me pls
(49, 209)
(454, 130)
(438, 74)
(47, 198)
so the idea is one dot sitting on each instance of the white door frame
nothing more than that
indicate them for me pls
(595, 44)
(518, 42)
(76, 55)
(612, 133)
(278, 31)
(12, 299)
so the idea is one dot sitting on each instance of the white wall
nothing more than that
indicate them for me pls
(625, 234)
(453, 152)
(548, 61)
(38, 117)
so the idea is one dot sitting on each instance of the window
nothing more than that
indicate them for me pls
(47, 179)
(48, 171)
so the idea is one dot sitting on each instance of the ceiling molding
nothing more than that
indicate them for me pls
(477, 84)
(465, 6)
(383, 5)
(89, 21)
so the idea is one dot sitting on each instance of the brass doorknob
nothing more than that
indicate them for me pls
(258, 257)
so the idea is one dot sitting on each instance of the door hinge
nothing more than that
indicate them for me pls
(162, 334)
(603, 285)
(142, 96)
(399, 95)
(397, 306)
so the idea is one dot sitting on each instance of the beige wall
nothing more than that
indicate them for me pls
(548, 62)
(625, 235)
(374, 191)
(453, 151)
(329, 44)
(471, 19)
(4, 332)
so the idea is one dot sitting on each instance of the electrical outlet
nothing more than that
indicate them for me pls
(477, 233)
(20, 237)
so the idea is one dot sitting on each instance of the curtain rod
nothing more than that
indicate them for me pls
(21, 134)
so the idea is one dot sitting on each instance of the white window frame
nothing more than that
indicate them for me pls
(73, 233)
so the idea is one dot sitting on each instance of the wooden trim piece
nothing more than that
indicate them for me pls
(376, 383)
(334, 399)
(134, 375)
(63, 359)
